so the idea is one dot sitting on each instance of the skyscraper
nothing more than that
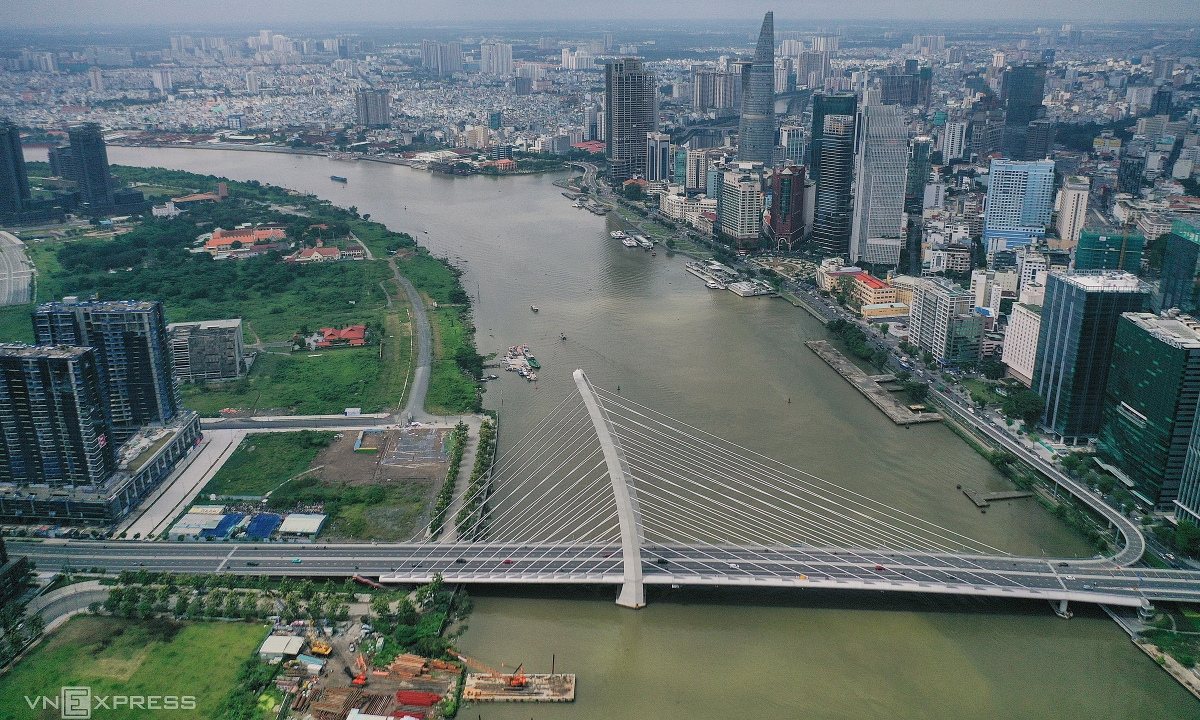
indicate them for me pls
(1072, 211)
(133, 354)
(787, 206)
(1019, 203)
(85, 161)
(658, 157)
(1075, 347)
(14, 182)
(832, 156)
(631, 111)
(941, 321)
(1180, 286)
(1109, 248)
(252, 82)
(914, 199)
(954, 141)
(373, 108)
(741, 205)
(880, 171)
(496, 59)
(1022, 89)
(52, 424)
(756, 129)
(1151, 401)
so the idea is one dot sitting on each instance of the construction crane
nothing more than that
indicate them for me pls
(361, 679)
(518, 680)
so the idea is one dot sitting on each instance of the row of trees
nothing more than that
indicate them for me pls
(458, 443)
(475, 497)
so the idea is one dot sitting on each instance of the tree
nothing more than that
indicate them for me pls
(634, 191)
(1025, 404)
(879, 358)
(916, 390)
(381, 607)
(1187, 537)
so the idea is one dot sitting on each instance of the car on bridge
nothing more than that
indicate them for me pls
(296, 560)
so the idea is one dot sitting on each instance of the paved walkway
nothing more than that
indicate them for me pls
(415, 409)
(463, 481)
(183, 485)
(58, 606)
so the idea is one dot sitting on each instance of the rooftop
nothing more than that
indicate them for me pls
(49, 351)
(1104, 282)
(70, 303)
(207, 324)
(1181, 331)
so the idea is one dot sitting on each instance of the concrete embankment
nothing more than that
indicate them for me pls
(869, 385)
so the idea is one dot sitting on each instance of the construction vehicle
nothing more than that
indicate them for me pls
(361, 679)
(513, 681)
(518, 680)
(318, 646)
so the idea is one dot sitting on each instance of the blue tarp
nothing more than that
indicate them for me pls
(222, 529)
(263, 525)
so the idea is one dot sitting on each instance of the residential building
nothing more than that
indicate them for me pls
(756, 128)
(133, 356)
(631, 111)
(1072, 206)
(53, 428)
(877, 230)
(1075, 346)
(85, 161)
(741, 206)
(373, 108)
(715, 90)
(832, 152)
(1151, 402)
(207, 350)
(941, 322)
(954, 140)
(1019, 203)
(497, 59)
(1021, 341)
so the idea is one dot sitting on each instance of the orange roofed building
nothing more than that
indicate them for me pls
(222, 239)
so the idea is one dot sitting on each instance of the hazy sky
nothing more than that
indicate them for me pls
(192, 13)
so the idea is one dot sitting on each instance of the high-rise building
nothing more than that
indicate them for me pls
(919, 167)
(631, 111)
(1019, 203)
(161, 78)
(787, 206)
(252, 82)
(832, 153)
(756, 129)
(1131, 173)
(85, 162)
(1108, 248)
(1075, 345)
(911, 87)
(53, 429)
(1150, 403)
(1072, 205)
(954, 141)
(791, 137)
(941, 321)
(1021, 341)
(373, 108)
(741, 206)
(715, 90)
(96, 79)
(1180, 286)
(658, 157)
(441, 58)
(1039, 139)
(14, 182)
(1162, 102)
(133, 354)
(496, 59)
(1022, 89)
(877, 233)
(207, 350)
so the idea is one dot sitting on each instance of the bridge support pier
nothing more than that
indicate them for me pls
(1146, 611)
(1060, 608)
(629, 516)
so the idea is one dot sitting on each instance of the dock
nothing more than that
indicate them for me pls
(869, 385)
(982, 500)
(539, 688)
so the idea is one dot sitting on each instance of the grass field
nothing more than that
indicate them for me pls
(450, 390)
(124, 657)
(263, 461)
(979, 387)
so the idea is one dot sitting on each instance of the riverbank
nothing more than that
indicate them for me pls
(870, 387)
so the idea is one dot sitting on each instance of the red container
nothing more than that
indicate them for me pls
(414, 697)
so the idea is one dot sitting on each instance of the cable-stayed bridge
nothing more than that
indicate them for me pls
(607, 491)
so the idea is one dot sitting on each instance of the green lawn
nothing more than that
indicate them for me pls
(263, 461)
(303, 383)
(450, 390)
(125, 657)
(979, 387)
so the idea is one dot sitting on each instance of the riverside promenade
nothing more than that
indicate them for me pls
(869, 385)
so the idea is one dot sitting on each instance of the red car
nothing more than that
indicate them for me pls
(507, 562)
(878, 567)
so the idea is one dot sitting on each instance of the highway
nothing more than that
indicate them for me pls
(16, 272)
(1098, 581)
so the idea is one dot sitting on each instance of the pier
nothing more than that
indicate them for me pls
(869, 385)
(538, 687)
(982, 499)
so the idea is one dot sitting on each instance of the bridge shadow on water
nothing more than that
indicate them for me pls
(808, 599)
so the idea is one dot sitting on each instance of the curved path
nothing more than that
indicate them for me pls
(415, 409)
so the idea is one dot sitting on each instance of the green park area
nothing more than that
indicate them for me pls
(275, 299)
(115, 656)
(264, 461)
(455, 363)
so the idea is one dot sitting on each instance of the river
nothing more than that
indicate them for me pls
(728, 365)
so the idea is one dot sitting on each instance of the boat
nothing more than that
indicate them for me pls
(531, 377)
(714, 285)
(653, 254)
(629, 242)
(533, 308)
(618, 235)
(338, 178)
(564, 336)
(533, 363)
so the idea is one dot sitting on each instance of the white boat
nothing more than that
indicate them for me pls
(714, 285)
(629, 242)
(533, 308)
(618, 235)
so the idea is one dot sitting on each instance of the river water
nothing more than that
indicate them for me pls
(728, 365)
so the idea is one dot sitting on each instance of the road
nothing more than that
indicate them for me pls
(415, 409)
(786, 566)
(67, 600)
(16, 272)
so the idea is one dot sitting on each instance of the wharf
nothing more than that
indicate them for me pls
(545, 687)
(869, 386)
(982, 500)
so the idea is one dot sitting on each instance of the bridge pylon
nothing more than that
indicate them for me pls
(629, 516)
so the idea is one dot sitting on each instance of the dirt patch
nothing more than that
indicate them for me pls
(408, 454)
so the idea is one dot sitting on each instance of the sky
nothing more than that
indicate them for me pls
(191, 13)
